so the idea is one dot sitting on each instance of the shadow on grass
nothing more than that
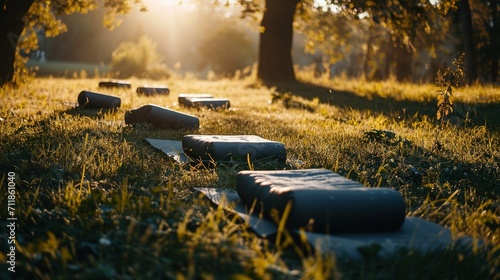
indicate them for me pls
(349, 99)
(478, 114)
(92, 113)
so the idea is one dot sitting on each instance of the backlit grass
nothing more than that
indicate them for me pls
(95, 200)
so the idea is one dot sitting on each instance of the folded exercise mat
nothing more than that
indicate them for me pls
(185, 98)
(322, 200)
(94, 100)
(161, 117)
(232, 148)
(115, 84)
(414, 233)
(211, 103)
(171, 148)
(152, 90)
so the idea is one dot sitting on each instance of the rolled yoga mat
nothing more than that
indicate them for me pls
(232, 147)
(321, 201)
(115, 84)
(211, 103)
(185, 98)
(161, 117)
(94, 100)
(153, 90)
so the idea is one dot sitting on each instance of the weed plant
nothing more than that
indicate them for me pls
(94, 200)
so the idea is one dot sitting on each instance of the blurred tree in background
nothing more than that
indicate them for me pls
(374, 46)
(226, 49)
(21, 20)
(140, 59)
(86, 39)
(408, 40)
(411, 30)
(486, 32)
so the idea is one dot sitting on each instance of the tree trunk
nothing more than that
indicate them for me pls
(11, 27)
(368, 55)
(275, 47)
(494, 32)
(389, 56)
(468, 37)
(404, 59)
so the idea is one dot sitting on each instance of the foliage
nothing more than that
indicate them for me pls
(95, 201)
(226, 49)
(140, 59)
(445, 81)
(486, 22)
(86, 40)
(43, 15)
(363, 38)
(376, 39)
(332, 34)
(396, 37)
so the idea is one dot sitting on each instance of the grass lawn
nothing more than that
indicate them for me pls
(94, 200)
(68, 69)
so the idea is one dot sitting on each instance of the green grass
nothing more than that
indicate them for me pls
(68, 69)
(95, 201)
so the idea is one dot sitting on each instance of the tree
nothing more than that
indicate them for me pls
(275, 45)
(12, 15)
(402, 17)
(226, 49)
(382, 32)
(346, 41)
(486, 30)
(86, 40)
(139, 59)
(20, 19)
(468, 34)
(494, 32)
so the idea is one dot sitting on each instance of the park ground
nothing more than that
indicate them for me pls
(93, 199)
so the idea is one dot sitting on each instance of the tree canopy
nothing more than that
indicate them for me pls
(380, 38)
(21, 19)
(408, 27)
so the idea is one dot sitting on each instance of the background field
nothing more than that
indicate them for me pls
(95, 200)
(68, 69)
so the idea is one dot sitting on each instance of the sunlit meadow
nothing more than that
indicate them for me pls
(93, 199)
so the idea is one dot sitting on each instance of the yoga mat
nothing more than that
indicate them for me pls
(415, 233)
(211, 103)
(232, 148)
(94, 100)
(153, 90)
(184, 98)
(321, 200)
(161, 117)
(171, 148)
(115, 84)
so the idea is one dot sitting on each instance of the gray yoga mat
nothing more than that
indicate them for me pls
(185, 98)
(415, 233)
(153, 90)
(115, 84)
(211, 103)
(321, 200)
(94, 100)
(171, 148)
(232, 148)
(161, 117)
